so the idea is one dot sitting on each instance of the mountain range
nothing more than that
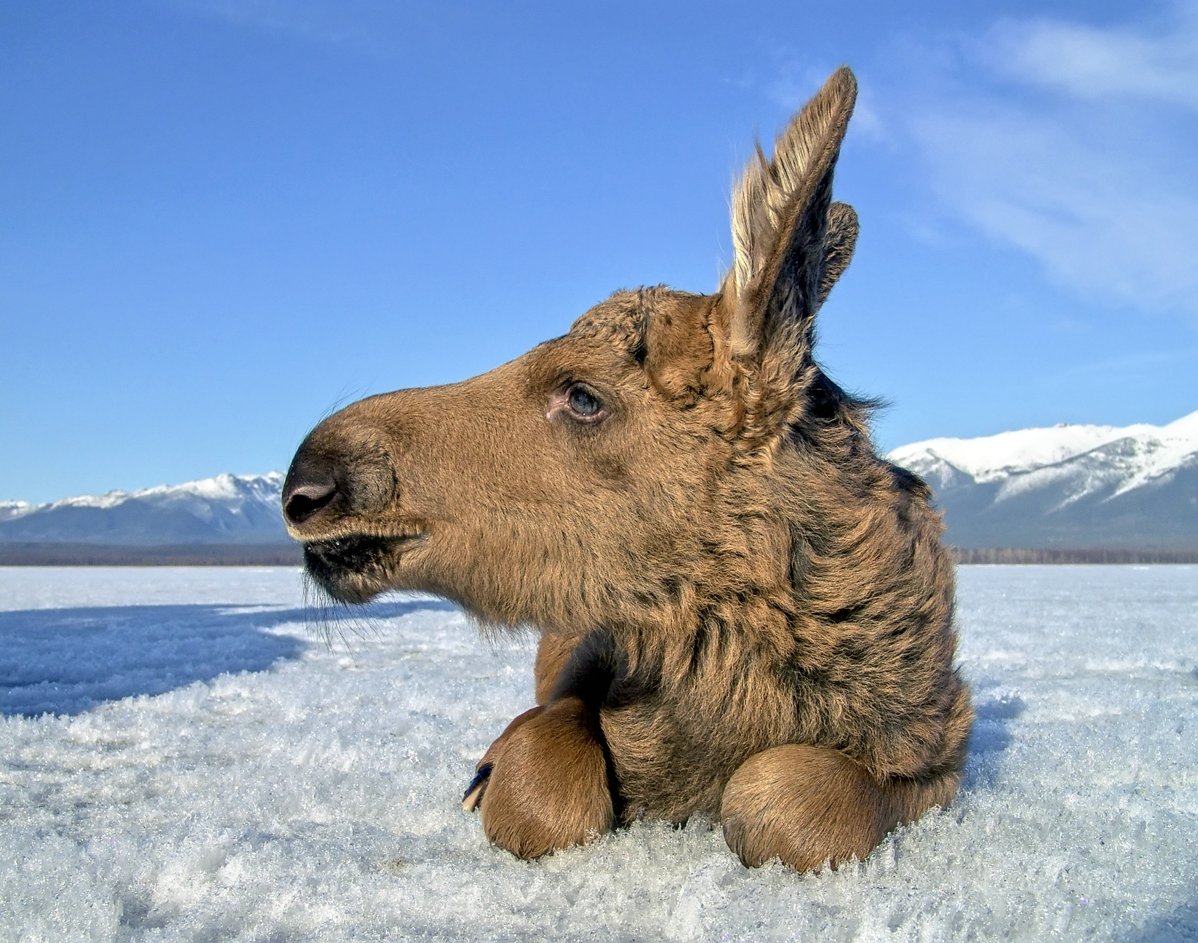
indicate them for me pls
(1068, 487)
(227, 509)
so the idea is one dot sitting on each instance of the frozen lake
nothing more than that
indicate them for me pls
(183, 758)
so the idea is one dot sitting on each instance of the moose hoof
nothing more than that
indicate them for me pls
(546, 788)
(806, 805)
(473, 796)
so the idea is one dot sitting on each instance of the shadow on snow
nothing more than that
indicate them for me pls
(1180, 924)
(991, 736)
(66, 661)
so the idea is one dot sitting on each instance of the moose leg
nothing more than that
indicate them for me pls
(482, 770)
(553, 654)
(543, 785)
(811, 805)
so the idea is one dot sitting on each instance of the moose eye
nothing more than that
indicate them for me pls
(583, 404)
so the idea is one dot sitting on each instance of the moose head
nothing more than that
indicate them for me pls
(565, 488)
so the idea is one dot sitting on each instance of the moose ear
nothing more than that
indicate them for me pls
(839, 244)
(790, 241)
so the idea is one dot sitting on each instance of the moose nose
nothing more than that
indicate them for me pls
(310, 488)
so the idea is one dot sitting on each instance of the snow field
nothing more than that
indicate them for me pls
(211, 769)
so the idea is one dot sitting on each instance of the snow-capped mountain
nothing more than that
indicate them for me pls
(12, 509)
(1069, 486)
(227, 509)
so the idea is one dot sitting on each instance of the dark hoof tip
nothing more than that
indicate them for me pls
(474, 792)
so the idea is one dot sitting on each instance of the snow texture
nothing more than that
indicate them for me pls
(183, 758)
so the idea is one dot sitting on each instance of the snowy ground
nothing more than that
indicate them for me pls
(211, 770)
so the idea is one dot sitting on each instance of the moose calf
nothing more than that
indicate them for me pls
(744, 612)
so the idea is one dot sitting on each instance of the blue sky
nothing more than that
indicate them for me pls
(222, 219)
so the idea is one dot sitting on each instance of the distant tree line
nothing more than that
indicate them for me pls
(78, 554)
(1090, 555)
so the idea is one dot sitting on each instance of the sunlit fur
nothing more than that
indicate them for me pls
(745, 612)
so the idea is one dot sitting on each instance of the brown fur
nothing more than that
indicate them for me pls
(745, 612)
(559, 748)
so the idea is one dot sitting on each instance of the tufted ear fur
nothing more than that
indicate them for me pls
(791, 244)
(839, 244)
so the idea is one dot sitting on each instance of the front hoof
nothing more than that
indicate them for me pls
(473, 795)
(548, 788)
(808, 806)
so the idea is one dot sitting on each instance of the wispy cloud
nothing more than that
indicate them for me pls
(1156, 63)
(1099, 216)
(1074, 144)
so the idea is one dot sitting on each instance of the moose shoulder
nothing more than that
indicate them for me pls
(745, 613)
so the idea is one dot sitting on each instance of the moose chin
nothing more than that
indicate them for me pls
(744, 612)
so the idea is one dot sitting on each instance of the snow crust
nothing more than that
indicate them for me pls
(210, 769)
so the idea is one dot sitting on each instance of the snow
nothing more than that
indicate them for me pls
(11, 509)
(211, 769)
(989, 457)
(223, 488)
(1176, 444)
(225, 508)
(109, 499)
(1154, 450)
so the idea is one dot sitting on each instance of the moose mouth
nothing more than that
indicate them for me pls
(356, 567)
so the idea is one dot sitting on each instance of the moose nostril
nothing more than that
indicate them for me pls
(306, 500)
(312, 485)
